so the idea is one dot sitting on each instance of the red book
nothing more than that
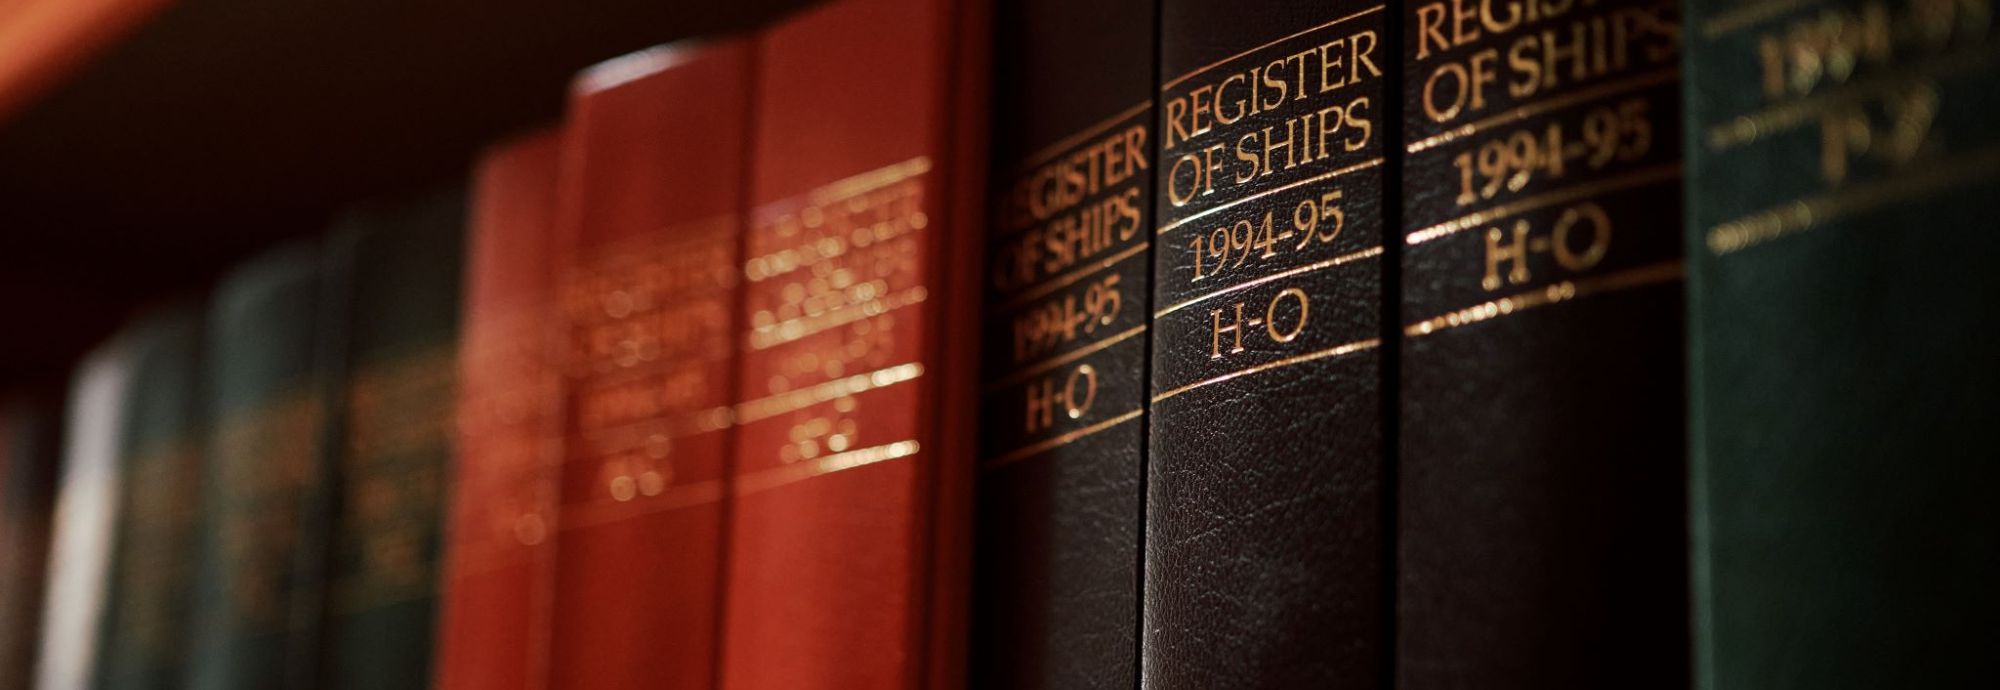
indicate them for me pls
(499, 552)
(848, 543)
(650, 202)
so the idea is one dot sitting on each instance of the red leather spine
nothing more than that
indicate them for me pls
(847, 544)
(651, 197)
(499, 550)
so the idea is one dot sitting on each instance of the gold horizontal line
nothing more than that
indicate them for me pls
(773, 335)
(1801, 214)
(1744, 129)
(1364, 165)
(1204, 68)
(1049, 152)
(1058, 441)
(676, 425)
(674, 498)
(1663, 272)
(673, 239)
(753, 482)
(792, 401)
(851, 186)
(1636, 178)
(1748, 14)
(1065, 358)
(1335, 351)
(1605, 90)
(1076, 274)
(1308, 268)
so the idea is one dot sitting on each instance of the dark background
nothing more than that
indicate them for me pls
(220, 127)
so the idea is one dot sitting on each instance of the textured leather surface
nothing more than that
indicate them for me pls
(499, 551)
(143, 640)
(1845, 386)
(650, 197)
(1264, 531)
(841, 544)
(1056, 569)
(1540, 493)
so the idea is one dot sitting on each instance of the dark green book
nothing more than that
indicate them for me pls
(1844, 177)
(143, 638)
(256, 585)
(400, 266)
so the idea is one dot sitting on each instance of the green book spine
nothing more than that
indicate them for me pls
(256, 593)
(391, 452)
(143, 637)
(1844, 177)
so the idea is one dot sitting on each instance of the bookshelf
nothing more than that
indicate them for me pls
(144, 144)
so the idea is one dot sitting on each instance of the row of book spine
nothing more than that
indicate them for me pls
(1185, 344)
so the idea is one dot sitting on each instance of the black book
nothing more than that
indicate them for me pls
(1056, 591)
(1540, 537)
(1265, 530)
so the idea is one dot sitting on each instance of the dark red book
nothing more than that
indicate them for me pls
(848, 544)
(499, 550)
(650, 203)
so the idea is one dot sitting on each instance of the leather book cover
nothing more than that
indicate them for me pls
(499, 551)
(849, 540)
(148, 608)
(86, 516)
(1063, 371)
(1265, 533)
(1844, 178)
(650, 201)
(257, 583)
(28, 465)
(390, 445)
(1540, 537)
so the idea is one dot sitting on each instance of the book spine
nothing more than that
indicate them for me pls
(1264, 527)
(499, 557)
(146, 619)
(853, 444)
(256, 600)
(85, 518)
(1843, 172)
(1541, 333)
(649, 303)
(1056, 581)
(28, 464)
(391, 450)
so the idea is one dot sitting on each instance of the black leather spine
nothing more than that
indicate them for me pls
(1264, 529)
(1540, 491)
(1058, 509)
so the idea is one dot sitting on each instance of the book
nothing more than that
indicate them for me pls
(1541, 338)
(1265, 528)
(391, 450)
(848, 544)
(146, 621)
(499, 552)
(1843, 171)
(86, 517)
(259, 577)
(650, 204)
(28, 458)
(1062, 458)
